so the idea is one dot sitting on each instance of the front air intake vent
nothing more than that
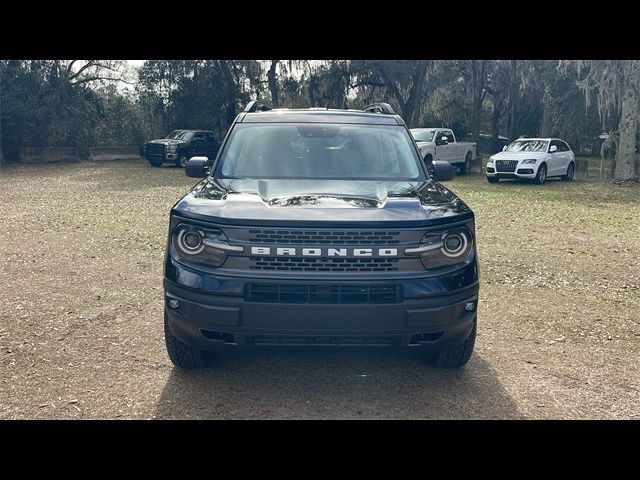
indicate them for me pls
(321, 293)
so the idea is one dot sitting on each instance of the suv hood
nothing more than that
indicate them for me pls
(517, 155)
(274, 202)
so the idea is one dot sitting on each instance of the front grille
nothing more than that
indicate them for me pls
(324, 237)
(321, 293)
(506, 165)
(324, 264)
(155, 151)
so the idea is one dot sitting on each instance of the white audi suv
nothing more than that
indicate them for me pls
(534, 159)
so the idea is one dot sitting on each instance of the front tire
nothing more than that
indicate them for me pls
(155, 164)
(181, 354)
(571, 170)
(542, 174)
(493, 179)
(458, 355)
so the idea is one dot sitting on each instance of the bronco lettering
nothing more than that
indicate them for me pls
(324, 252)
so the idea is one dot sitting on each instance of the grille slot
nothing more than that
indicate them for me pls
(506, 165)
(320, 293)
(324, 237)
(324, 264)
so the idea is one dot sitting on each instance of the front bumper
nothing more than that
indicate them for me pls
(527, 171)
(211, 321)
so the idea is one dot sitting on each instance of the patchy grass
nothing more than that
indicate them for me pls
(81, 311)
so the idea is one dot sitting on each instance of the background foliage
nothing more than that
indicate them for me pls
(83, 104)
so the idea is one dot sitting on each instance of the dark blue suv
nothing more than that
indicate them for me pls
(320, 227)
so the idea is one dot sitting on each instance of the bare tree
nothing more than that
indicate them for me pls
(80, 72)
(475, 73)
(392, 75)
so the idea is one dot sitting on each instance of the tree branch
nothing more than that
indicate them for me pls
(95, 78)
(392, 85)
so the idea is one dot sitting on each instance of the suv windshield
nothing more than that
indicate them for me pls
(320, 159)
(423, 135)
(320, 152)
(528, 146)
(180, 135)
(175, 134)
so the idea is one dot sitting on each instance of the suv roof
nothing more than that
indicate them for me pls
(377, 114)
(191, 130)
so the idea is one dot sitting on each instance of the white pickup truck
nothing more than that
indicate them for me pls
(440, 144)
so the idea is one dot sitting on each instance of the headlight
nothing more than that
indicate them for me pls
(530, 161)
(202, 245)
(442, 248)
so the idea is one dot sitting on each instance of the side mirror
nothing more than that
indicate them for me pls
(504, 149)
(442, 171)
(196, 167)
(553, 148)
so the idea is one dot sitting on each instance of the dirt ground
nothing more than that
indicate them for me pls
(81, 250)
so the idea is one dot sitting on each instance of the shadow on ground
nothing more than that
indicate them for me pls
(280, 384)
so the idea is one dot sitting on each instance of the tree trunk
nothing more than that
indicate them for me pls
(625, 158)
(512, 118)
(230, 92)
(273, 84)
(477, 110)
(415, 97)
(479, 80)
(495, 121)
(546, 123)
(410, 107)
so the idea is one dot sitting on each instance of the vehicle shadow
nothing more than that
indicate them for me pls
(329, 384)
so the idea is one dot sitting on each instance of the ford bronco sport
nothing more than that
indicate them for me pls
(320, 227)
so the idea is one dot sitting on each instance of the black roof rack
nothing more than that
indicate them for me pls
(379, 108)
(256, 106)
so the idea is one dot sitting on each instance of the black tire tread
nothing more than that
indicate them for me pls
(181, 354)
(565, 177)
(537, 179)
(458, 355)
(463, 165)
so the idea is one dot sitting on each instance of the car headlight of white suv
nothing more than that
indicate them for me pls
(530, 161)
